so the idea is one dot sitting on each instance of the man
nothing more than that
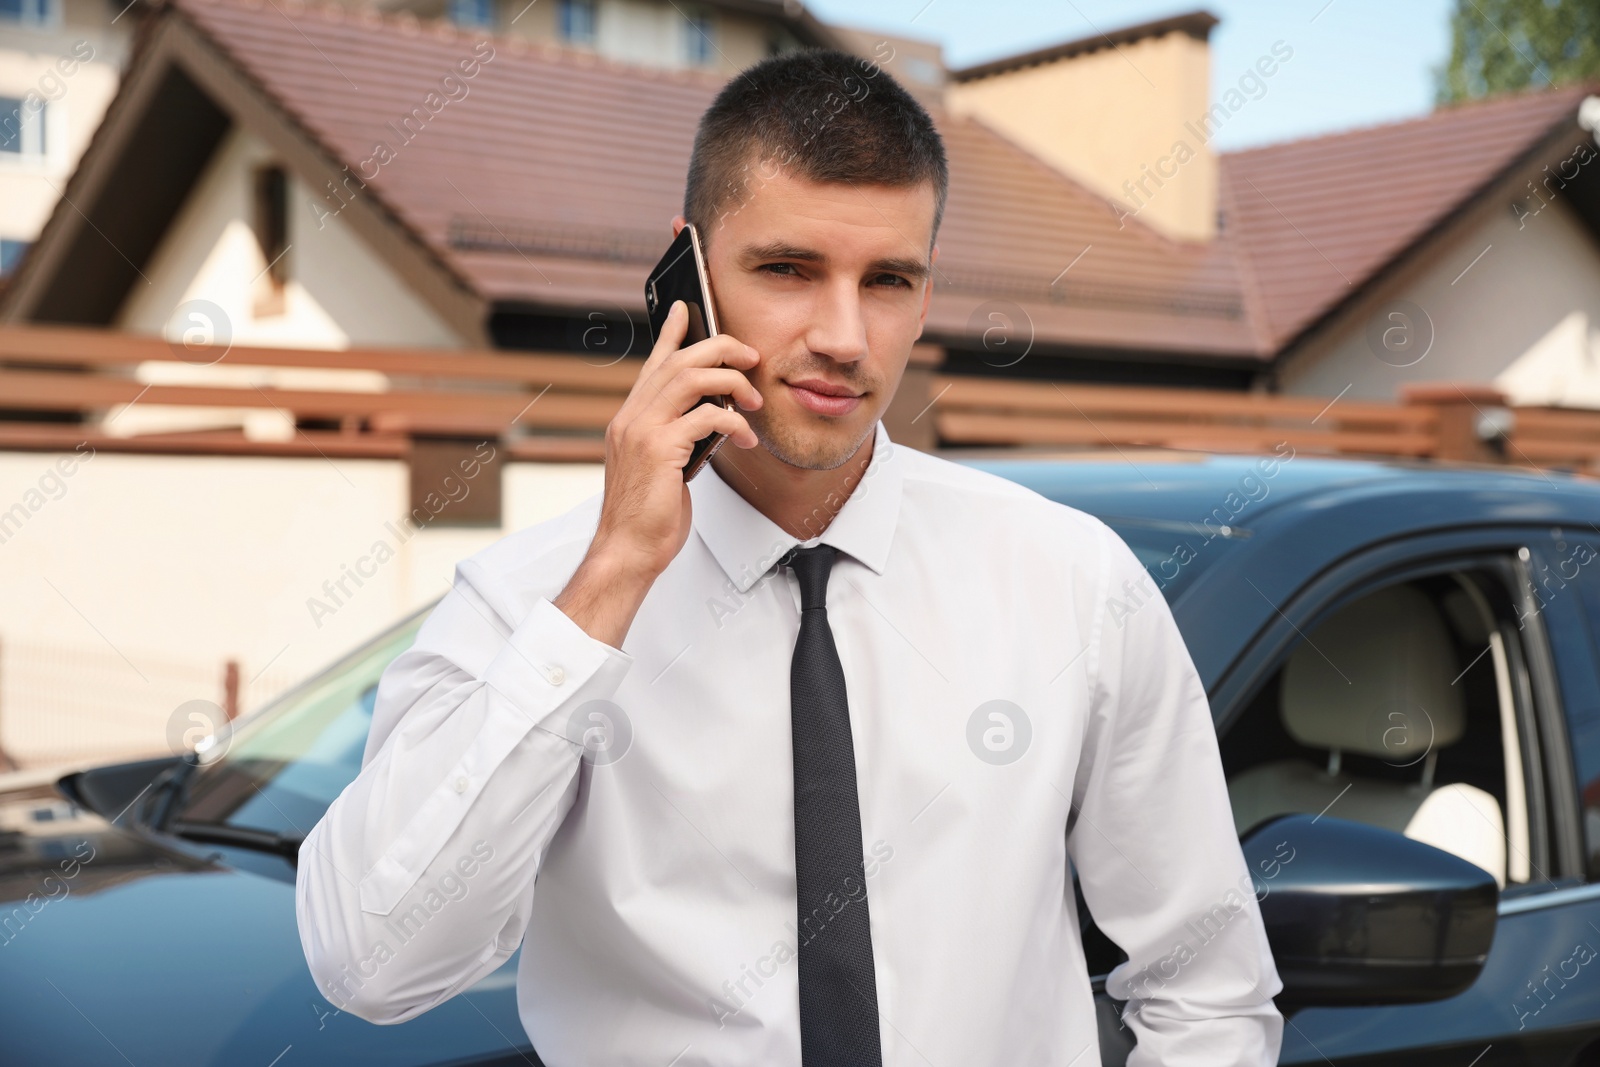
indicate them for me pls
(747, 805)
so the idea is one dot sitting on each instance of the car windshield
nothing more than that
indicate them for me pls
(284, 765)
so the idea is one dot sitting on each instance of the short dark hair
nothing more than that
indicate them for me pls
(831, 116)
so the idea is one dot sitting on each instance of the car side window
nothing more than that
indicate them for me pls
(1399, 707)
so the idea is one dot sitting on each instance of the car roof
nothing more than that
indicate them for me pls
(1187, 487)
(1280, 530)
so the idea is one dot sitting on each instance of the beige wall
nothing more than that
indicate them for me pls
(1109, 118)
(126, 582)
(1525, 317)
(73, 65)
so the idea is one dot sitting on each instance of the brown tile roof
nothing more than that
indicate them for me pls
(552, 181)
(1313, 219)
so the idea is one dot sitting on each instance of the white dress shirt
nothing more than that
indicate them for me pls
(627, 815)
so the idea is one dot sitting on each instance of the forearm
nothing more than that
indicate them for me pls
(476, 774)
(387, 944)
(604, 595)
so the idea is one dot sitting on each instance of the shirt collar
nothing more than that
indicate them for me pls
(746, 543)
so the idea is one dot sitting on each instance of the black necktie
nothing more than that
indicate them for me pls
(838, 987)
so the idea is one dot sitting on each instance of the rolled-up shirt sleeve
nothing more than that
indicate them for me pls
(418, 880)
(1152, 838)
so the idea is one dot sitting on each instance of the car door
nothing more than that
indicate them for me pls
(1537, 998)
(1529, 1003)
(1563, 569)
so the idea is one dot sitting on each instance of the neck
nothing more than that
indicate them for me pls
(801, 502)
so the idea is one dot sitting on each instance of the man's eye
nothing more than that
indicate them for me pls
(892, 280)
(778, 268)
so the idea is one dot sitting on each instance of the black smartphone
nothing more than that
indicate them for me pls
(681, 275)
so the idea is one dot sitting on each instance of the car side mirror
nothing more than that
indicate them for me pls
(1356, 914)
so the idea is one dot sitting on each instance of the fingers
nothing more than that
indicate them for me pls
(676, 438)
(666, 359)
(673, 330)
(684, 390)
(714, 418)
(664, 404)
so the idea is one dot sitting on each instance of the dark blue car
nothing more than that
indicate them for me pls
(1403, 671)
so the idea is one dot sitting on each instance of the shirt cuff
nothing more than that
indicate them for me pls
(547, 660)
(549, 667)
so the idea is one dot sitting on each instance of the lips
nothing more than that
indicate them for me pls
(817, 385)
(824, 398)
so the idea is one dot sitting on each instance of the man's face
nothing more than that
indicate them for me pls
(830, 282)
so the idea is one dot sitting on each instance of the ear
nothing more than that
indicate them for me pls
(678, 223)
(927, 290)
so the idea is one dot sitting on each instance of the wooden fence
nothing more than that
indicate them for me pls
(978, 411)
(61, 386)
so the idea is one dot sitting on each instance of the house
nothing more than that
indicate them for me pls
(518, 207)
(61, 60)
(59, 65)
(1091, 223)
(1460, 246)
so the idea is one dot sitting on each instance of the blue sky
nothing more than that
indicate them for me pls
(1356, 62)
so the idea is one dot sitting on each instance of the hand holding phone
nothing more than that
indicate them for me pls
(662, 433)
(645, 510)
(681, 275)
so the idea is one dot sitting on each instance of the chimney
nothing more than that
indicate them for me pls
(1125, 114)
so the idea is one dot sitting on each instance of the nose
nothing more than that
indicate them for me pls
(838, 327)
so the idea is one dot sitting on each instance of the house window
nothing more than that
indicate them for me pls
(21, 129)
(28, 12)
(699, 37)
(576, 21)
(271, 225)
(11, 254)
(469, 12)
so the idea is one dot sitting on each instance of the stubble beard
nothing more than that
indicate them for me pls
(816, 450)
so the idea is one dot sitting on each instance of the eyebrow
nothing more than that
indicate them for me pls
(912, 268)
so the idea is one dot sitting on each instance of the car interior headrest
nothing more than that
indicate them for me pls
(1375, 678)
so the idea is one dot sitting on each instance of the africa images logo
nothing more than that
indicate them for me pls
(999, 732)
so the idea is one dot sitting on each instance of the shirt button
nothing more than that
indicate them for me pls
(461, 785)
(557, 675)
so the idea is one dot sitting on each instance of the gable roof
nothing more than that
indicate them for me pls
(552, 181)
(1314, 219)
(549, 184)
